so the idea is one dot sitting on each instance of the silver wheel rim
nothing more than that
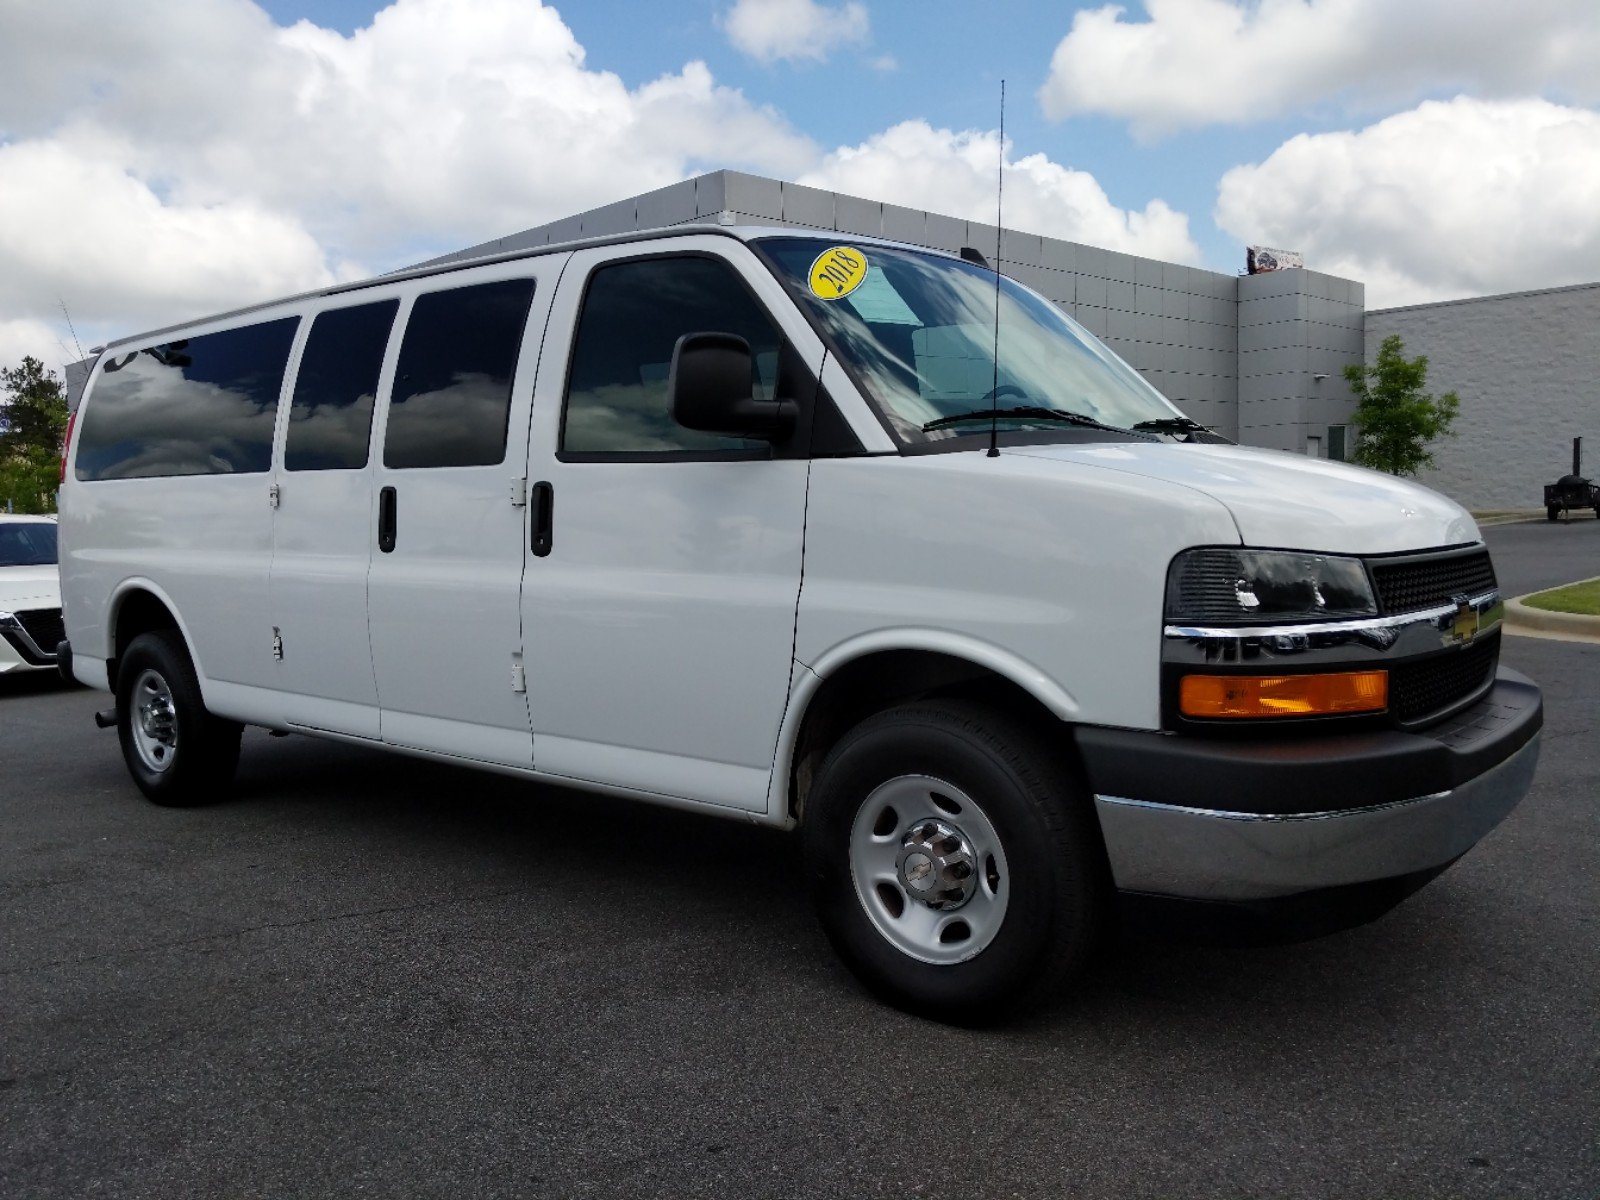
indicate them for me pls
(909, 843)
(154, 720)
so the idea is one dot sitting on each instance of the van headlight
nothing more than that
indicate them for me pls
(1226, 586)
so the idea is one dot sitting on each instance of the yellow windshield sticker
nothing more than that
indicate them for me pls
(837, 272)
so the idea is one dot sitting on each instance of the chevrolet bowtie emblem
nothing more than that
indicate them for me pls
(1464, 626)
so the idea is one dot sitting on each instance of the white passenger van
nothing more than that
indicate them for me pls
(752, 522)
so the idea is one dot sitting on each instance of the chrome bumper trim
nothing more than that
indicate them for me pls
(1200, 854)
(1380, 639)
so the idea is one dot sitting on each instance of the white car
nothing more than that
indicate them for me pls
(30, 594)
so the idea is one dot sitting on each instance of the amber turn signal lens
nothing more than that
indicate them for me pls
(1283, 695)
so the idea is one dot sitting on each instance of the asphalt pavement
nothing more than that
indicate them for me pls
(368, 975)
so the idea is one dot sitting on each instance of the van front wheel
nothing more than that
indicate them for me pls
(177, 752)
(956, 866)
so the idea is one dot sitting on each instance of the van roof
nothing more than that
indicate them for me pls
(744, 233)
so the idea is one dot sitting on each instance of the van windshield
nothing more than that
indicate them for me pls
(918, 333)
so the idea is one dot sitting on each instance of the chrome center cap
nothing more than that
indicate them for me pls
(155, 719)
(937, 865)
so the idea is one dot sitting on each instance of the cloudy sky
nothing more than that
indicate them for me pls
(161, 159)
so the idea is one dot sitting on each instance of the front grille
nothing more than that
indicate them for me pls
(44, 626)
(1419, 689)
(1411, 585)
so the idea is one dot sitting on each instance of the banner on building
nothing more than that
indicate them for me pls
(1258, 259)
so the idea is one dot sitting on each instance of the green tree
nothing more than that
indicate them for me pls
(34, 420)
(28, 482)
(1395, 419)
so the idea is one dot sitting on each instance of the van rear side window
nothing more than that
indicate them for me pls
(199, 406)
(452, 385)
(330, 416)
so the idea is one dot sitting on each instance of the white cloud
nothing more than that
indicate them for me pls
(152, 171)
(462, 117)
(30, 337)
(1190, 63)
(921, 167)
(73, 221)
(157, 170)
(1458, 198)
(771, 30)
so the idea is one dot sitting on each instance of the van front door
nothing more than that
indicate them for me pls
(449, 528)
(659, 607)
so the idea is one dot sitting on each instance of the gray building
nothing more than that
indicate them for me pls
(1527, 368)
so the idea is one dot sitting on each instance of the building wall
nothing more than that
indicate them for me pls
(1527, 369)
(1297, 331)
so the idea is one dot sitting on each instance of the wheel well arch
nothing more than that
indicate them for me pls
(138, 610)
(879, 680)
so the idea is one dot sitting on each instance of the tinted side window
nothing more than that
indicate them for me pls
(330, 416)
(200, 406)
(633, 315)
(452, 387)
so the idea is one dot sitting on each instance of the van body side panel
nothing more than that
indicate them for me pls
(319, 601)
(1064, 572)
(660, 625)
(206, 540)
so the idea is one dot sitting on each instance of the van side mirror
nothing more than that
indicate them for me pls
(711, 389)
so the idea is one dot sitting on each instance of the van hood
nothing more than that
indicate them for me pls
(1290, 501)
(22, 588)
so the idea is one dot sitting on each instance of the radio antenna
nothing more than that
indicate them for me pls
(70, 329)
(999, 200)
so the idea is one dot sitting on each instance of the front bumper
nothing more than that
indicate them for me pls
(19, 651)
(1262, 820)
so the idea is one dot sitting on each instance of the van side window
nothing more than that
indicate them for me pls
(199, 406)
(633, 315)
(452, 386)
(330, 416)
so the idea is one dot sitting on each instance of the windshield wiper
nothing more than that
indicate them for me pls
(1028, 412)
(1170, 425)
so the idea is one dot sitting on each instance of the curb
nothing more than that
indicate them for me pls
(1541, 622)
(1512, 518)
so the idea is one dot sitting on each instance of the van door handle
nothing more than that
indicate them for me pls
(388, 511)
(541, 508)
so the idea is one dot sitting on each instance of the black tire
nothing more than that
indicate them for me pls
(1551, 512)
(1057, 908)
(202, 752)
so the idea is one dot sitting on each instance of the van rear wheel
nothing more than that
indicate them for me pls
(177, 752)
(955, 865)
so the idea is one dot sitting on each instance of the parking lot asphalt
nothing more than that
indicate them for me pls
(368, 975)
(1533, 555)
